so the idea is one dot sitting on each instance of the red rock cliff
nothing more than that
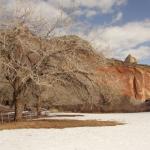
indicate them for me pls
(135, 79)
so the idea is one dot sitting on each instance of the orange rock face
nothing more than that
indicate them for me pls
(135, 80)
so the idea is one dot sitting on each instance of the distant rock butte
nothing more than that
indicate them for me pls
(130, 59)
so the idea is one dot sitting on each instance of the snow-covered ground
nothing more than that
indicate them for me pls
(135, 135)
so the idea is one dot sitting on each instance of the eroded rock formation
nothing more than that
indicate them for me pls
(135, 79)
(130, 59)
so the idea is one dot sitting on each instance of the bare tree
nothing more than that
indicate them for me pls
(26, 63)
(22, 63)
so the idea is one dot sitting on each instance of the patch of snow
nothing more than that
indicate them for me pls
(134, 135)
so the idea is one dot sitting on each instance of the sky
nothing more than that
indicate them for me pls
(115, 27)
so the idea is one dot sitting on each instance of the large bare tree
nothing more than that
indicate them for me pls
(24, 65)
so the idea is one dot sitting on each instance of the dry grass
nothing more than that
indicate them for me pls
(58, 124)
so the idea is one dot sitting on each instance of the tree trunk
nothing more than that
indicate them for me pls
(18, 110)
(38, 107)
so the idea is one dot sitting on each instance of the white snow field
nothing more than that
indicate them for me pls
(135, 135)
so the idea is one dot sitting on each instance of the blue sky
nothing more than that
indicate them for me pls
(115, 27)
(134, 10)
(133, 23)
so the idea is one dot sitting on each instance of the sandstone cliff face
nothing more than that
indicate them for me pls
(135, 79)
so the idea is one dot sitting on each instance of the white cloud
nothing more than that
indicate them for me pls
(119, 41)
(104, 6)
(115, 41)
(52, 8)
(86, 12)
(40, 13)
(141, 53)
(90, 13)
(117, 17)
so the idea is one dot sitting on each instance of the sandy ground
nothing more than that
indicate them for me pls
(135, 135)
